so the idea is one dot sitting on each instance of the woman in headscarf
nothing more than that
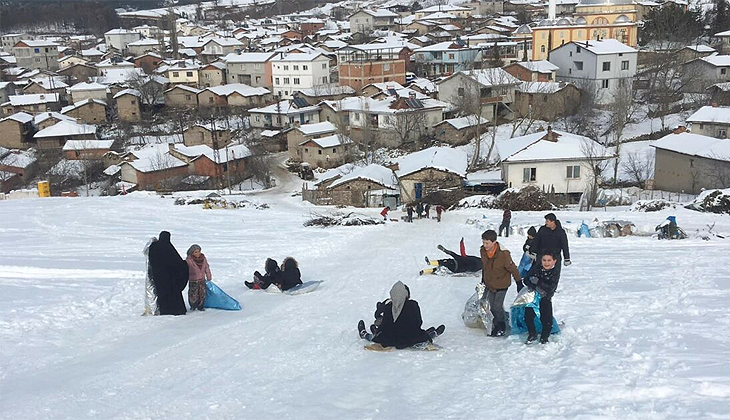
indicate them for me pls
(401, 322)
(170, 275)
(199, 271)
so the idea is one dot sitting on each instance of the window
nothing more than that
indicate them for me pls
(451, 56)
(286, 67)
(357, 116)
(529, 174)
(542, 48)
(296, 67)
(188, 97)
(189, 74)
(276, 80)
(304, 67)
(722, 134)
(258, 118)
(573, 172)
(334, 150)
(286, 80)
(604, 84)
(723, 71)
(607, 66)
(175, 74)
(319, 152)
(577, 50)
(296, 80)
(306, 150)
(625, 65)
(324, 79)
(133, 102)
(258, 79)
(324, 66)
(243, 67)
(37, 50)
(386, 66)
(578, 65)
(210, 100)
(461, 91)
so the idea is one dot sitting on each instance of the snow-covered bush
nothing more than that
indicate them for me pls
(341, 219)
(524, 199)
(712, 201)
(651, 205)
(476, 201)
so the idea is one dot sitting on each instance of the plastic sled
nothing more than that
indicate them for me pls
(525, 265)
(517, 317)
(218, 299)
(306, 287)
(419, 347)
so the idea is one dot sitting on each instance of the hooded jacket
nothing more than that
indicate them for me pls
(289, 275)
(401, 325)
(548, 240)
(496, 271)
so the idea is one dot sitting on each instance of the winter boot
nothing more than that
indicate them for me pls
(543, 340)
(249, 284)
(201, 308)
(363, 333)
(373, 329)
(428, 261)
(435, 332)
(441, 248)
(427, 271)
(531, 338)
(192, 308)
(501, 327)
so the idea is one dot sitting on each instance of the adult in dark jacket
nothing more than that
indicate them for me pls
(170, 275)
(401, 322)
(290, 276)
(506, 219)
(551, 238)
(543, 277)
(272, 276)
(456, 264)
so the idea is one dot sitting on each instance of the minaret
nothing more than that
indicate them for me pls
(551, 10)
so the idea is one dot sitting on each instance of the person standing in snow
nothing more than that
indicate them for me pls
(272, 276)
(497, 267)
(439, 210)
(409, 210)
(551, 238)
(401, 322)
(419, 209)
(199, 270)
(543, 277)
(170, 275)
(526, 261)
(384, 212)
(150, 294)
(427, 209)
(506, 218)
(290, 276)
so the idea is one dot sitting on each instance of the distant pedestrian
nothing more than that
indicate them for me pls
(419, 209)
(384, 212)
(409, 210)
(427, 208)
(506, 218)
(439, 210)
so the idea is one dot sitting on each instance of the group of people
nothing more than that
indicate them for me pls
(168, 275)
(420, 209)
(547, 247)
(285, 277)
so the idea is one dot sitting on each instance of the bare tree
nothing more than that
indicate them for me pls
(639, 166)
(260, 167)
(623, 110)
(151, 92)
(408, 125)
(595, 158)
(583, 121)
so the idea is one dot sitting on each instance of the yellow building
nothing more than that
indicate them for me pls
(593, 19)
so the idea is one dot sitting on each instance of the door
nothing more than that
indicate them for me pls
(419, 190)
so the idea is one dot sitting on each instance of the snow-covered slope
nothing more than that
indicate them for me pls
(645, 331)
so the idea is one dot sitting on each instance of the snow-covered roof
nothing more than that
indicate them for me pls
(154, 157)
(20, 117)
(225, 42)
(490, 77)
(79, 104)
(440, 158)
(541, 87)
(227, 154)
(464, 122)
(328, 89)
(329, 141)
(285, 107)
(534, 147)
(443, 8)
(444, 46)
(724, 86)
(380, 106)
(240, 88)
(185, 88)
(88, 144)
(424, 84)
(38, 43)
(86, 86)
(270, 133)
(120, 31)
(39, 118)
(484, 177)
(144, 42)
(91, 52)
(18, 159)
(33, 99)
(66, 128)
(49, 83)
(701, 48)
(711, 114)
(373, 172)
(133, 92)
(297, 57)
(717, 60)
(605, 46)
(317, 128)
(695, 145)
(438, 15)
(379, 13)
(542, 66)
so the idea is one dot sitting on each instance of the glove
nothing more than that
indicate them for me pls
(567, 263)
(532, 256)
(519, 286)
(532, 281)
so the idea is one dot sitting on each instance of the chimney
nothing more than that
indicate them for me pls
(714, 104)
(679, 130)
(551, 9)
(412, 95)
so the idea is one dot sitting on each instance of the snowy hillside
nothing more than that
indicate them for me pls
(645, 333)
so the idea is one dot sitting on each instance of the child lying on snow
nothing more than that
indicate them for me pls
(285, 278)
(457, 263)
(400, 321)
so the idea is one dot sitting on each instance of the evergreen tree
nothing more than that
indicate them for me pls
(671, 27)
(720, 17)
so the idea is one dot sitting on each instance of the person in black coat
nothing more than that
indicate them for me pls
(531, 232)
(456, 264)
(272, 276)
(290, 276)
(169, 274)
(551, 238)
(401, 322)
(543, 277)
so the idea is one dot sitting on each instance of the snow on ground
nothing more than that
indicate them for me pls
(645, 333)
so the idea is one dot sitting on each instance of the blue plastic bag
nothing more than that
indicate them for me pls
(525, 265)
(584, 231)
(517, 317)
(218, 299)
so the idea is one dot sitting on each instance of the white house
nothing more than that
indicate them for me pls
(120, 38)
(295, 71)
(712, 121)
(142, 46)
(550, 160)
(366, 20)
(222, 46)
(36, 54)
(284, 114)
(606, 66)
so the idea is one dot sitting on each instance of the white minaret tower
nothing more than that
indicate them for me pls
(551, 9)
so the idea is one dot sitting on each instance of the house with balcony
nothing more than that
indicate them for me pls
(36, 54)
(445, 58)
(253, 69)
(365, 21)
(494, 87)
(284, 114)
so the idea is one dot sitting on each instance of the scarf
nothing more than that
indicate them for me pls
(199, 261)
(398, 296)
(493, 251)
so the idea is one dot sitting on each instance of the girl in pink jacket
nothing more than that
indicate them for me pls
(198, 273)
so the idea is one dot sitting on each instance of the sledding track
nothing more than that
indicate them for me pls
(642, 337)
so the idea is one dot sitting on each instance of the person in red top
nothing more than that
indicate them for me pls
(504, 226)
(439, 210)
(199, 272)
(384, 213)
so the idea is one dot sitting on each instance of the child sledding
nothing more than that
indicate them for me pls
(456, 264)
(398, 323)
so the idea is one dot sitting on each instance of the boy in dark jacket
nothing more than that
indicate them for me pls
(543, 277)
